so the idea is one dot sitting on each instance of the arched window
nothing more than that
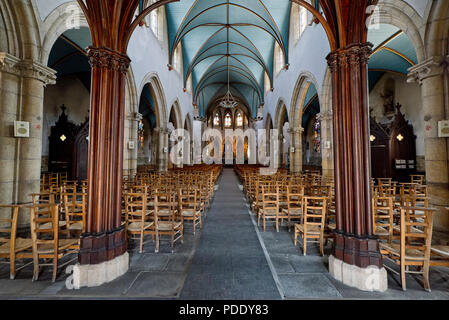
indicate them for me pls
(217, 120)
(279, 61)
(156, 22)
(239, 120)
(299, 21)
(267, 83)
(189, 84)
(228, 120)
(177, 59)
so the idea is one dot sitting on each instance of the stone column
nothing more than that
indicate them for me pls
(281, 149)
(296, 156)
(34, 78)
(430, 74)
(131, 135)
(22, 97)
(326, 143)
(162, 160)
(10, 89)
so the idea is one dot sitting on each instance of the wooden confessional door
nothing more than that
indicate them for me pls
(80, 154)
(379, 161)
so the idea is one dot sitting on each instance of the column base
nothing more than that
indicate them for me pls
(370, 279)
(94, 275)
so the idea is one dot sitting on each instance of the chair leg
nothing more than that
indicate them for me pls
(426, 277)
(12, 268)
(277, 225)
(157, 242)
(295, 240)
(141, 242)
(36, 269)
(305, 246)
(55, 268)
(403, 281)
(321, 246)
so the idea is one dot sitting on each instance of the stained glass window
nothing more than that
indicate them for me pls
(217, 120)
(239, 120)
(141, 134)
(317, 136)
(228, 120)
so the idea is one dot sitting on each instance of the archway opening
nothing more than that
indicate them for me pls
(65, 131)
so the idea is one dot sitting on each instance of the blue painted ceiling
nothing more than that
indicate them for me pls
(221, 36)
(392, 52)
(68, 55)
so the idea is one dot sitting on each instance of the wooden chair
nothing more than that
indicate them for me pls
(270, 206)
(189, 207)
(43, 197)
(46, 241)
(383, 217)
(417, 178)
(75, 212)
(173, 226)
(312, 227)
(415, 244)
(295, 193)
(13, 248)
(138, 220)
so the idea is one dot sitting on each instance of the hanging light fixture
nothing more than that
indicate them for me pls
(228, 101)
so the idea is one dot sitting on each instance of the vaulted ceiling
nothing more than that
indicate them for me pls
(228, 38)
(392, 52)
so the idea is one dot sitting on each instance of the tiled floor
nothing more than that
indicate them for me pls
(230, 258)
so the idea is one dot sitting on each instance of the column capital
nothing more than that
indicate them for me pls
(163, 130)
(108, 59)
(134, 116)
(26, 68)
(354, 54)
(34, 70)
(323, 116)
(432, 67)
(9, 64)
(296, 130)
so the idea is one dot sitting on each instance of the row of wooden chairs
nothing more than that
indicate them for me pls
(45, 242)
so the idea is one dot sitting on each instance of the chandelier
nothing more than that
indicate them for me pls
(228, 101)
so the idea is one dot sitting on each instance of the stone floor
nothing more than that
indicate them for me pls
(231, 258)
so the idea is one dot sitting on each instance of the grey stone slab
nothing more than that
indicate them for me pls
(309, 264)
(151, 262)
(116, 288)
(178, 263)
(156, 285)
(282, 264)
(310, 286)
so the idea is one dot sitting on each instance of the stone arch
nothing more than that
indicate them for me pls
(9, 42)
(437, 34)
(299, 95)
(155, 85)
(401, 15)
(176, 109)
(21, 23)
(281, 110)
(188, 126)
(56, 24)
